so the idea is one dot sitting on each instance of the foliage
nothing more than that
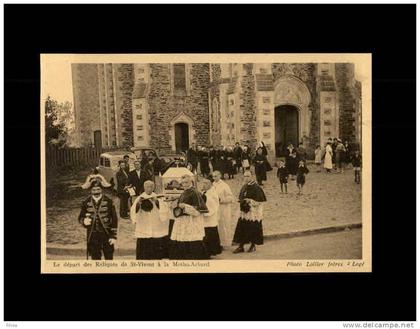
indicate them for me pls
(59, 123)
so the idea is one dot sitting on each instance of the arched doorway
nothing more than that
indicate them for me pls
(286, 128)
(181, 137)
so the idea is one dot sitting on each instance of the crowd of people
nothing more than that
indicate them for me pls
(197, 225)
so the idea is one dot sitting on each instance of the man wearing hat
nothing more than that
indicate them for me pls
(99, 217)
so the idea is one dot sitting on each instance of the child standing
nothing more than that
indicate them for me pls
(282, 175)
(302, 170)
(356, 162)
(318, 158)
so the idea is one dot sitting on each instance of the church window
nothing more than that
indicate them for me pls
(179, 77)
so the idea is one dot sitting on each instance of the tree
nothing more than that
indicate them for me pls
(59, 122)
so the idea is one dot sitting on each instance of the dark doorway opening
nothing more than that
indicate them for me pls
(97, 139)
(181, 137)
(286, 128)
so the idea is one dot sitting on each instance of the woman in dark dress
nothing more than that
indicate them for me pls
(291, 160)
(260, 161)
(249, 227)
(246, 158)
(230, 168)
(204, 162)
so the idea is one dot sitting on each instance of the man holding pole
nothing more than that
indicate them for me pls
(99, 217)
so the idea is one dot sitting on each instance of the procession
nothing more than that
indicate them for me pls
(194, 219)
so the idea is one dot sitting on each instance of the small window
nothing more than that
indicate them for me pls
(327, 99)
(266, 135)
(266, 111)
(139, 117)
(107, 163)
(140, 138)
(232, 102)
(263, 71)
(327, 122)
(140, 70)
(327, 111)
(179, 77)
(232, 114)
(266, 123)
(139, 106)
(139, 127)
(266, 100)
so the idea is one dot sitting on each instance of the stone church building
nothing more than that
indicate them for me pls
(171, 106)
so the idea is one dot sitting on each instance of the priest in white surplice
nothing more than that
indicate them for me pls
(151, 228)
(211, 219)
(225, 209)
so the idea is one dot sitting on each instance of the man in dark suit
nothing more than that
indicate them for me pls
(136, 178)
(98, 216)
(123, 195)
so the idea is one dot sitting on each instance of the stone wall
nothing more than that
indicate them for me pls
(124, 82)
(347, 100)
(248, 108)
(86, 101)
(164, 105)
(215, 105)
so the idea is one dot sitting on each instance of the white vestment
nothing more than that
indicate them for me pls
(211, 218)
(148, 224)
(328, 157)
(225, 212)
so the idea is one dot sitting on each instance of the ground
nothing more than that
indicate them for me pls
(338, 245)
(328, 200)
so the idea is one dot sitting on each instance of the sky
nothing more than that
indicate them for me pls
(57, 82)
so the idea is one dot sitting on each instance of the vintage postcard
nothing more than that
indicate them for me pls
(206, 163)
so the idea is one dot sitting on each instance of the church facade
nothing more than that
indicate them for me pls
(169, 106)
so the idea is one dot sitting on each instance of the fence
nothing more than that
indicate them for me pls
(71, 157)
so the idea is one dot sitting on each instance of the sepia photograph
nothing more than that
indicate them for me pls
(205, 163)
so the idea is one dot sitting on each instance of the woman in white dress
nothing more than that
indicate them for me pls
(328, 157)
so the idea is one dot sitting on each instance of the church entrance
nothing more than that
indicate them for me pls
(286, 128)
(181, 137)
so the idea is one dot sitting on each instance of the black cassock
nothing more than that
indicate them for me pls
(249, 231)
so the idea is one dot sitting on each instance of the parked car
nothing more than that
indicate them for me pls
(108, 165)
(161, 162)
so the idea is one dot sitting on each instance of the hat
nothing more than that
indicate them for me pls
(95, 180)
(146, 205)
(178, 212)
